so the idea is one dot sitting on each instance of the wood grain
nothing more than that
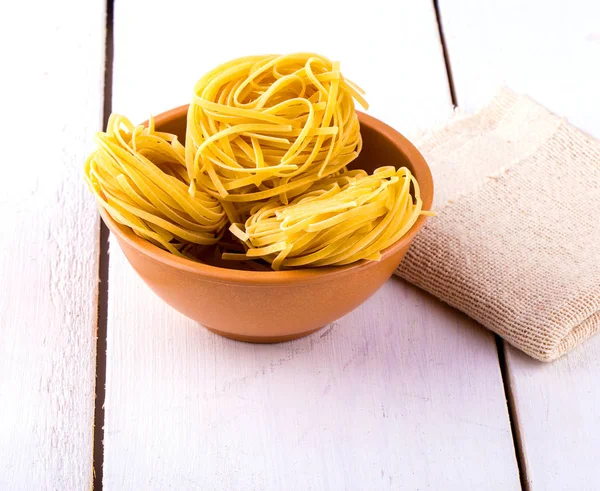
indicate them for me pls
(403, 392)
(550, 51)
(51, 99)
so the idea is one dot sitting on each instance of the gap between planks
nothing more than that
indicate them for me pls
(98, 453)
(500, 344)
(512, 414)
(440, 27)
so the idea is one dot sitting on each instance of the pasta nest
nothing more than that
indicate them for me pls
(266, 126)
(337, 221)
(139, 176)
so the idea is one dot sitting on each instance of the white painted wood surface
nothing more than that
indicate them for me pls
(51, 99)
(551, 51)
(401, 393)
(558, 417)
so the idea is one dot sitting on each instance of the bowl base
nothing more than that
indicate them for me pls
(262, 339)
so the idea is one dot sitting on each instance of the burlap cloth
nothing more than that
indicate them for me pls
(516, 240)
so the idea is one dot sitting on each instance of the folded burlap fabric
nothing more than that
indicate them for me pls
(516, 240)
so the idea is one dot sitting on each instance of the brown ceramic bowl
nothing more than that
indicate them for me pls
(274, 306)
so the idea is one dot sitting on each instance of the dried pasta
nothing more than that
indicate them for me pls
(263, 174)
(270, 126)
(337, 221)
(139, 176)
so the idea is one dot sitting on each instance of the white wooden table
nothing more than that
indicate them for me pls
(403, 393)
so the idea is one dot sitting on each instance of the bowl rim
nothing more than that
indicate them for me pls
(186, 266)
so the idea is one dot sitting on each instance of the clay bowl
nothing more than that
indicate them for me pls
(274, 306)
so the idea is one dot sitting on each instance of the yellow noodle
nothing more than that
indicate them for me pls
(138, 175)
(266, 126)
(267, 144)
(337, 221)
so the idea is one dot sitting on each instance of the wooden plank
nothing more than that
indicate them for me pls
(401, 392)
(556, 410)
(548, 50)
(51, 99)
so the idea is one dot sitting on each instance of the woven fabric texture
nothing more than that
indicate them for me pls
(516, 240)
